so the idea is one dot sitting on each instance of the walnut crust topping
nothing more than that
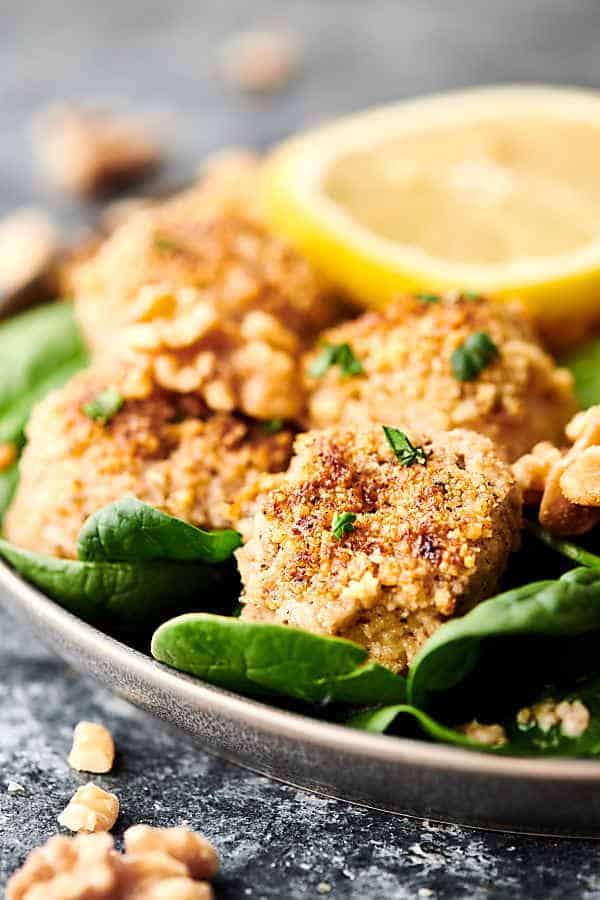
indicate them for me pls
(520, 398)
(177, 339)
(428, 540)
(87, 152)
(167, 450)
(159, 864)
(210, 238)
(90, 809)
(565, 482)
(93, 748)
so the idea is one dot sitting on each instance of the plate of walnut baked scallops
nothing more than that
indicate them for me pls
(309, 462)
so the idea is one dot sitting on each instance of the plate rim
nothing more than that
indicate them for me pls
(291, 725)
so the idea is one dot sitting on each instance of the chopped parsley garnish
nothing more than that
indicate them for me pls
(273, 426)
(405, 452)
(165, 245)
(428, 298)
(104, 405)
(473, 355)
(471, 295)
(342, 524)
(341, 355)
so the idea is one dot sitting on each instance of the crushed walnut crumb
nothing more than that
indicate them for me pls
(93, 748)
(90, 809)
(172, 866)
(491, 735)
(572, 716)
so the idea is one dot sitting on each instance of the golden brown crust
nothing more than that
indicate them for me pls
(167, 450)
(405, 350)
(428, 540)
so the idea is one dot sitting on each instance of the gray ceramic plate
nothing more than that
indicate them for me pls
(394, 774)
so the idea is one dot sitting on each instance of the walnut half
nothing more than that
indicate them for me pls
(159, 864)
(565, 482)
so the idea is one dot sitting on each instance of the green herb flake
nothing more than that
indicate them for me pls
(428, 298)
(104, 405)
(273, 426)
(405, 452)
(471, 295)
(341, 355)
(165, 245)
(343, 524)
(473, 355)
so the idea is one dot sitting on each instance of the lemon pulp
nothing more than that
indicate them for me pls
(483, 193)
(494, 190)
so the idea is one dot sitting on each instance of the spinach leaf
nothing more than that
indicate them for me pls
(584, 364)
(118, 593)
(261, 659)
(381, 719)
(8, 482)
(566, 548)
(39, 350)
(523, 728)
(566, 607)
(129, 530)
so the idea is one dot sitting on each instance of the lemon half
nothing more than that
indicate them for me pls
(493, 190)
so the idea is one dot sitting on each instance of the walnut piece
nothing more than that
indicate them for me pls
(28, 247)
(532, 470)
(159, 864)
(192, 849)
(90, 809)
(572, 716)
(88, 153)
(259, 61)
(93, 748)
(565, 483)
(65, 868)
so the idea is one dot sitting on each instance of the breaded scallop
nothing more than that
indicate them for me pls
(428, 540)
(518, 397)
(243, 303)
(167, 450)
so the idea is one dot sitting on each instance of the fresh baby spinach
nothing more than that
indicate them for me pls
(261, 659)
(128, 530)
(124, 594)
(557, 722)
(568, 549)
(379, 720)
(135, 565)
(39, 350)
(562, 608)
(584, 364)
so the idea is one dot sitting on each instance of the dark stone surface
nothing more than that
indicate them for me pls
(275, 841)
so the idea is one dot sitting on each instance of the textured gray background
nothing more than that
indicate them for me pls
(276, 842)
